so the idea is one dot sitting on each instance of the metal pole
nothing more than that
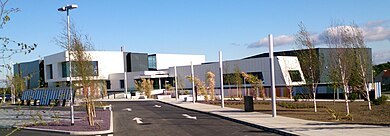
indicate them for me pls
(245, 92)
(125, 83)
(221, 80)
(70, 72)
(176, 93)
(193, 83)
(271, 57)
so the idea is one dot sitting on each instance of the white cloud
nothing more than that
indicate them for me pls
(381, 57)
(372, 31)
(376, 31)
(278, 41)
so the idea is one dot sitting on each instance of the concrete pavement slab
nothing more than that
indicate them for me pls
(285, 124)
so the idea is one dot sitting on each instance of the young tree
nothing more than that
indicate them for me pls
(10, 47)
(341, 62)
(256, 83)
(84, 72)
(362, 59)
(18, 84)
(145, 86)
(180, 84)
(309, 60)
(227, 78)
(200, 86)
(168, 88)
(211, 82)
(237, 79)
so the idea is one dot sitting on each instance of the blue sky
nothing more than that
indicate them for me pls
(235, 27)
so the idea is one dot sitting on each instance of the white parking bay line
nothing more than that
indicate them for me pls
(138, 120)
(188, 116)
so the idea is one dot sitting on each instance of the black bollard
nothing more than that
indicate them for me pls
(63, 102)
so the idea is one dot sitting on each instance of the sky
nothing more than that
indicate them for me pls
(238, 28)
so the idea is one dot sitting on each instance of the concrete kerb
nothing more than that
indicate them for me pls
(123, 100)
(110, 131)
(277, 131)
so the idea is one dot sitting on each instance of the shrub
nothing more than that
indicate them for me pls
(333, 114)
(353, 96)
(294, 105)
(381, 100)
(297, 97)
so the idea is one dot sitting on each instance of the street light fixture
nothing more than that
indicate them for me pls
(62, 9)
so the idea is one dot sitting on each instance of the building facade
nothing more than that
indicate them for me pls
(33, 72)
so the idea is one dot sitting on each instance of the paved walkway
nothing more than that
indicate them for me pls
(285, 124)
(10, 117)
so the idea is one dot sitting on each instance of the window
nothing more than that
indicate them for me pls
(65, 69)
(259, 75)
(49, 71)
(152, 62)
(228, 79)
(295, 75)
(108, 84)
(122, 83)
(95, 68)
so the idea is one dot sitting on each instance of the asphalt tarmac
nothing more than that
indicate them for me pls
(152, 118)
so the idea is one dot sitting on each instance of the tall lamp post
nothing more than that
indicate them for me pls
(62, 9)
(272, 69)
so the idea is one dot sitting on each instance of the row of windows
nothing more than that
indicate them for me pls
(65, 69)
(229, 79)
(295, 76)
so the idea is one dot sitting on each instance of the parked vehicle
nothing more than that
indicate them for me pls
(7, 97)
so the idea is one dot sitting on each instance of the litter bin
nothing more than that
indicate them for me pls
(248, 102)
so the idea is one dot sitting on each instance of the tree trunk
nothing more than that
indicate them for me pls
(238, 96)
(334, 96)
(314, 98)
(368, 96)
(346, 99)
(263, 92)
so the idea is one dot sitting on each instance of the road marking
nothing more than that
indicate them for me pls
(158, 106)
(189, 117)
(127, 109)
(138, 120)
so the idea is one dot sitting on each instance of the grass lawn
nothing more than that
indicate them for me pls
(379, 115)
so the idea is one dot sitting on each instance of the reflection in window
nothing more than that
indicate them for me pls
(152, 62)
(228, 79)
(122, 84)
(65, 69)
(295, 75)
(49, 71)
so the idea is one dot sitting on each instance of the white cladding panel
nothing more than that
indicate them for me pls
(290, 63)
(131, 76)
(164, 61)
(108, 62)
(55, 60)
(247, 65)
